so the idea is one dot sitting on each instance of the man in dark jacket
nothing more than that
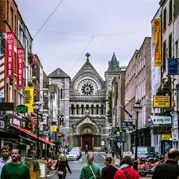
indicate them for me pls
(169, 169)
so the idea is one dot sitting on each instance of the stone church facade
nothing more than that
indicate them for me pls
(87, 104)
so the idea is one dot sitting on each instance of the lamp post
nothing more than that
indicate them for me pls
(37, 106)
(137, 109)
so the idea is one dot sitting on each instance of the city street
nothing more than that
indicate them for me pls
(77, 165)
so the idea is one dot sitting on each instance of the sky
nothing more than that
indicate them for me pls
(99, 27)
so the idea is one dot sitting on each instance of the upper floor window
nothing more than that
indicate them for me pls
(11, 18)
(77, 109)
(92, 109)
(164, 55)
(170, 46)
(97, 109)
(72, 109)
(82, 109)
(164, 19)
(170, 11)
(102, 110)
(176, 49)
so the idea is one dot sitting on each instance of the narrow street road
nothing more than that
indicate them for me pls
(77, 165)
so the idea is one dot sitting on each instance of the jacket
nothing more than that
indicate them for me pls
(87, 173)
(62, 165)
(131, 173)
(108, 172)
(167, 170)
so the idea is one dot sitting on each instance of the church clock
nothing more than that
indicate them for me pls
(87, 87)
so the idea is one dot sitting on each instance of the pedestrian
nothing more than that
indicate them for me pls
(15, 169)
(86, 149)
(6, 158)
(90, 170)
(109, 170)
(61, 166)
(125, 170)
(169, 169)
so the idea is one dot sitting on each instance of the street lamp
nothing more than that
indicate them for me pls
(37, 106)
(137, 109)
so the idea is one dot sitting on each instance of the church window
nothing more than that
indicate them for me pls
(97, 109)
(82, 109)
(102, 111)
(77, 109)
(72, 109)
(92, 109)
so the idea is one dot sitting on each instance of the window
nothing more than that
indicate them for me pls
(176, 47)
(170, 46)
(102, 111)
(77, 109)
(61, 93)
(164, 19)
(97, 109)
(11, 18)
(82, 109)
(170, 11)
(72, 109)
(164, 56)
(92, 109)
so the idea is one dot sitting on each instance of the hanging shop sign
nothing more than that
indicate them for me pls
(53, 128)
(158, 42)
(29, 98)
(21, 108)
(6, 106)
(161, 102)
(173, 66)
(20, 67)
(165, 137)
(10, 55)
(161, 119)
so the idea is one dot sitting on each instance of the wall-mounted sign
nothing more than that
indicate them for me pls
(29, 98)
(165, 137)
(158, 42)
(15, 122)
(6, 106)
(173, 66)
(2, 124)
(53, 128)
(161, 119)
(161, 101)
(20, 67)
(21, 108)
(10, 55)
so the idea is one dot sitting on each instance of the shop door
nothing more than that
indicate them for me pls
(87, 139)
(165, 146)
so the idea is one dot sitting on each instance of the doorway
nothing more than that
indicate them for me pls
(87, 139)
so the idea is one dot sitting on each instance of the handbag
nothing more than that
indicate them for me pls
(92, 172)
(60, 172)
(125, 173)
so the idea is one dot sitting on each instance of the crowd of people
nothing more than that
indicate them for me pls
(11, 167)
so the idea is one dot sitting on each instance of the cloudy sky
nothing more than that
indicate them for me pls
(99, 27)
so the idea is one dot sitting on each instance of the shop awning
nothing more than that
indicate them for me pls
(33, 135)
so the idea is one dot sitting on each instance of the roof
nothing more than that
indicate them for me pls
(113, 64)
(58, 73)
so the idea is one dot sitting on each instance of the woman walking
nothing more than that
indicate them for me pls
(125, 170)
(90, 170)
(109, 170)
(61, 166)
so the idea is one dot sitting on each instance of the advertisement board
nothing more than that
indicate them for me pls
(29, 98)
(20, 67)
(161, 119)
(161, 102)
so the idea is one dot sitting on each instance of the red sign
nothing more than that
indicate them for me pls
(20, 67)
(10, 54)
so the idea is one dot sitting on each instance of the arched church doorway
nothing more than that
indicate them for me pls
(87, 140)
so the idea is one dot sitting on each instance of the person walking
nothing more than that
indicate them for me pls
(61, 166)
(126, 172)
(109, 170)
(169, 169)
(90, 170)
(6, 158)
(86, 149)
(15, 169)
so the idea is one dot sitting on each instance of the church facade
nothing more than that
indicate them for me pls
(86, 104)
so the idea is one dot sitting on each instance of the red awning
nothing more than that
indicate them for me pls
(34, 135)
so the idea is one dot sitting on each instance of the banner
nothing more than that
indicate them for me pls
(158, 42)
(10, 55)
(29, 98)
(20, 67)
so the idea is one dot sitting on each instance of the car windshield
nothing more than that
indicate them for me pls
(72, 152)
(142, 151)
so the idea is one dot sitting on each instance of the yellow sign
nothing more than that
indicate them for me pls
(54, 129)
(29, 98)
(161, 101)
(166, 136)
(158, 42)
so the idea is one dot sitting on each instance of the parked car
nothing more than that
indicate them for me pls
(77, 149)
(72, 155)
